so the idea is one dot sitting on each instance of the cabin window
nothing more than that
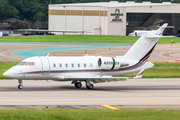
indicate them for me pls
(84, 64)
(72, 65)
(66, 65)
(90, 65)
(78, 65)
(54, 65)
(60, 65)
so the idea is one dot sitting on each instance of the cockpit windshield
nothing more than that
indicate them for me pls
(26, 64)
(21, 63)
(30, 63)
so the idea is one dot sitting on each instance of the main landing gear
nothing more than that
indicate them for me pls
(20, 86)
(89, 85)
(79, 84)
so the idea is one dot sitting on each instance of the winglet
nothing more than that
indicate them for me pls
(139, 75)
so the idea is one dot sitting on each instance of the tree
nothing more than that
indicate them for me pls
(38, 9)
(39, 16)
(19, 25)
(7, 11)
(44, 25)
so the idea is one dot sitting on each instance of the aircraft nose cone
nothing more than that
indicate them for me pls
(5, 74)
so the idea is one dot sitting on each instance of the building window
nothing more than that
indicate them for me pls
(66, 65)
(78, 65)
(5, 23)
(84, 64)
(72, 65)
(60, 65)
(54, 65)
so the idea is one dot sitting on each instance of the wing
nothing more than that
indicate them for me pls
(100, 79)
(97, 79)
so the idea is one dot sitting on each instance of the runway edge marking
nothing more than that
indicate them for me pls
(110, 107)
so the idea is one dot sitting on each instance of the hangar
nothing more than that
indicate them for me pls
(114, 18)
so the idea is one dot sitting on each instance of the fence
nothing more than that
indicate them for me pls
(11, 32)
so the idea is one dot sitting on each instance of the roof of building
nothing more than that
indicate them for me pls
(115, 4)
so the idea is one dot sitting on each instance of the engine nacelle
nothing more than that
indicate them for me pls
(110, 63)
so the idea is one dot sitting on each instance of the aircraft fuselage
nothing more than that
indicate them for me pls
(56, 68)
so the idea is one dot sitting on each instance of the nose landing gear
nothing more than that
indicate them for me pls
(20, 86)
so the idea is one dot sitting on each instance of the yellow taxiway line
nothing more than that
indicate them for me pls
(110, 107)
(103, 53)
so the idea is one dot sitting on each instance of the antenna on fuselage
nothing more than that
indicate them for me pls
(47, 55)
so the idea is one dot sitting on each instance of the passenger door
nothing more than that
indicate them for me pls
(45, 65)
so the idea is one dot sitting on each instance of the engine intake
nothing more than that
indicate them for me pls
(111, 63)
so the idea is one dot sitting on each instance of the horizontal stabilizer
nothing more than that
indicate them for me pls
(157, 36)
(153, 36)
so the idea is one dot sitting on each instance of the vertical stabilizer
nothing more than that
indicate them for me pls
(161, 29)
(145, 45)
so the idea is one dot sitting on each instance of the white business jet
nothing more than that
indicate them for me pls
(90, 69)
(142, 32)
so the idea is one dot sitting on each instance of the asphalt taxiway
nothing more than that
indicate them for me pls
(131, 92)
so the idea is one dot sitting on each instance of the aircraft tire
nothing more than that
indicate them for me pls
(20, 86)
(91, 86)
(78, 85)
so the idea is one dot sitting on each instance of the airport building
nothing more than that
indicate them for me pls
(114, 18)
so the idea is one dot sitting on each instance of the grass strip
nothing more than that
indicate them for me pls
(5, 66)
(83, 38)
(160, 70)
(90, 114)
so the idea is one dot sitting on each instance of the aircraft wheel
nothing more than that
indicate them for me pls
(20, 86)
(78, 85)
(91, 86)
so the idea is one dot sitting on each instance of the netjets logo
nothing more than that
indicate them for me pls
(116, 14)
(117, 11)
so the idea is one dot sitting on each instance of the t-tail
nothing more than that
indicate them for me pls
(161, 29)
(145, 45)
